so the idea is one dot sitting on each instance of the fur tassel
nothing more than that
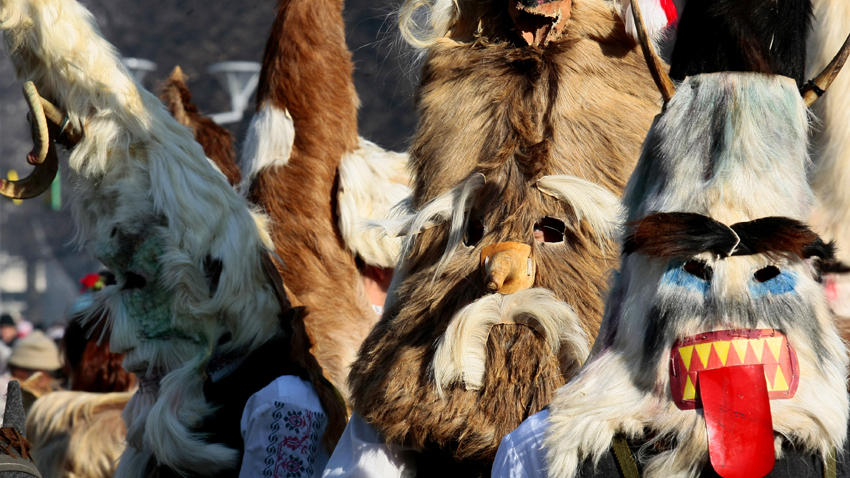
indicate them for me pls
(589, 201)
(268, 143)
(371, 181)
(461, 353)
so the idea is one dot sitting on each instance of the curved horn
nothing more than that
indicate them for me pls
(656, 66)
(43, 155)
(815, 88)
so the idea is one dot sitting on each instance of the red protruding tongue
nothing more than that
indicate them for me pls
(737, 416)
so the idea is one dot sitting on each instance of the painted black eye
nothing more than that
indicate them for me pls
(549, 229)
(474, 232)
(765, 274)
(698, 269)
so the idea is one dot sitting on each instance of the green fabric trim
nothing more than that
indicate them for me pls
(830, 468)
(624, 457)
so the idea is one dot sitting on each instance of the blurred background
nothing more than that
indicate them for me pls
(40, 270)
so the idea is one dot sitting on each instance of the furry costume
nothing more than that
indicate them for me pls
(78, 434)
(830, 152)
(216, 140)
(16, 460)
(716, 242)
(451, 368)
(305, 166)
(189, 256)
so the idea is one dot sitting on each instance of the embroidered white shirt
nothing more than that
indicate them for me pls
(362, 453)
(521, 453)
(282, 427)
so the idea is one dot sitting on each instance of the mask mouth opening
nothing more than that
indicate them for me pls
(539, 22)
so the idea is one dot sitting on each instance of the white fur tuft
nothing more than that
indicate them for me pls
(371, 181)
(268, 143)
(654, 18)
(598, 206)
(462, 351)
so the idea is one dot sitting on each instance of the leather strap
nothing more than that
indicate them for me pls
(625, 458)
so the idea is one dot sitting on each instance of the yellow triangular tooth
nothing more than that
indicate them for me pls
(758, 348)
(703, 350)
(767, 380)
(779, 383)
(690, 391)
(722, 349)
(687, 353)
(741, 348)
(775, 344)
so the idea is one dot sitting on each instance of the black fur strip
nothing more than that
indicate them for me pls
(763, 36)
(682, 235)
(678, 235)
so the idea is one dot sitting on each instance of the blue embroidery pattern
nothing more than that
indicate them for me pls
(294, 454)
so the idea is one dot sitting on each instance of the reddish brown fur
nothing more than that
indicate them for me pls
(581, 106)
(307, 70)
(216, 141)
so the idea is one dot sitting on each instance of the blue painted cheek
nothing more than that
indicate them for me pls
(676, 276)
(784, 283)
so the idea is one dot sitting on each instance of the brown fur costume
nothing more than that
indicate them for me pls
(307, 72)
(216, 141)
(579, 106)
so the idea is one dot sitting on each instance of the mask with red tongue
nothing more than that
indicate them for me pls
(732, 375)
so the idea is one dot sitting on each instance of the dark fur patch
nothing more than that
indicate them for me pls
(681, 235)
(763, 36)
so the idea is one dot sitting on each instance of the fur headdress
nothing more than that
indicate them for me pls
(187, 252)
(522, 146)
(716, 246)
(305, 166)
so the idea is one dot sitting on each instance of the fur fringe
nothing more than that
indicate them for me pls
(371, 181)
(143, 205)
(589, 201)
(268, 143)
(77, 434)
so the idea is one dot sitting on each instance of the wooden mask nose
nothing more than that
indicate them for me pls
(507, 267)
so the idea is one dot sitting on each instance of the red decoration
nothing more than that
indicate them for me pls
(738, 421)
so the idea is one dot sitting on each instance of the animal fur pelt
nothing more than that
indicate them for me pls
(764, 36)
(187, 252)
(504, 130)
(732, 147)
(830, 147)
(307, 169)
(216, 141)
(78, 434)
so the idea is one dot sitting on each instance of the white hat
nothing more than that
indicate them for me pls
(36, 352)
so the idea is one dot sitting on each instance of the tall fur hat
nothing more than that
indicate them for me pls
(717, 260)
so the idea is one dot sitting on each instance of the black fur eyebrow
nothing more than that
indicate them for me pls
(680, 235)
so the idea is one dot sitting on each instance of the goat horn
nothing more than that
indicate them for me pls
(815, 88)
(656, 66)
(43, 155)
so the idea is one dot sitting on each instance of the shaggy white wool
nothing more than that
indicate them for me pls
(268, 143)
(371, 181)
(462, 351)
(654, 19)
(731, 146)
(598, 206)
(149, 203)
(831, 140)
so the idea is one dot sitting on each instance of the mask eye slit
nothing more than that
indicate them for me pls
(474, 232)
(698, 269)
(549, 230)
(765, 274)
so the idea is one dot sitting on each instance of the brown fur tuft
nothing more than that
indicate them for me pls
(216, 141)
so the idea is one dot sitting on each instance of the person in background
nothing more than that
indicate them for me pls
(80, 433)
(8, 330)
(35, 363)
